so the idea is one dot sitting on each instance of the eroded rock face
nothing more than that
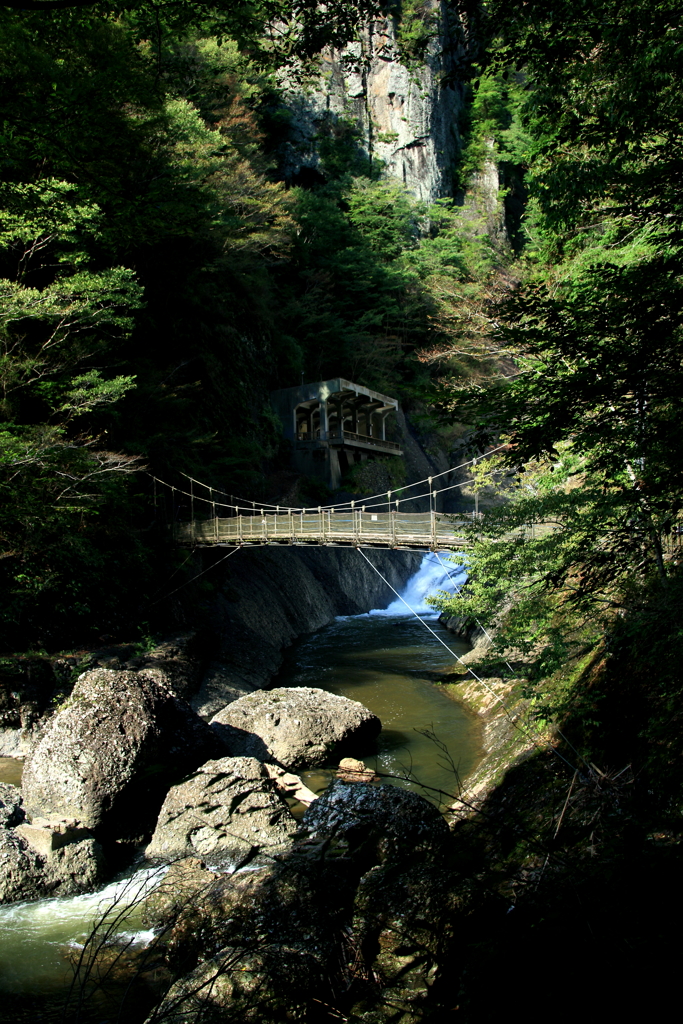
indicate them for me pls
(225, 813)
(296, 727)
(110, 753)
(407, 116)
(11, 811)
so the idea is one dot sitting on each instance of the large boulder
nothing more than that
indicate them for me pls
(400, 820)
(296, 727)
(225, 813)
(181, 659)
(25, 874)
(110, 753)
(358, 909)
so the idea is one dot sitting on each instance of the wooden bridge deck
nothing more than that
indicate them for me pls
(413, 530)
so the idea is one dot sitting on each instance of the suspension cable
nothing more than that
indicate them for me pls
(187, 582)
(235, 502)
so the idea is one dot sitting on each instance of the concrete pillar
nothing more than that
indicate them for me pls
(342, 414)
(334, 469)
(338, 407)
(324, 420)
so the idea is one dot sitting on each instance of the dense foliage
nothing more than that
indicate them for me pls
(158, 279)
(592, 412)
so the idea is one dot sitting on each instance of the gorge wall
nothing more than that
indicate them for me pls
(404, 111)
(225, 643)
(267, 597)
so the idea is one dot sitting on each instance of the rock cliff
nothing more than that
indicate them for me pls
(404, 112)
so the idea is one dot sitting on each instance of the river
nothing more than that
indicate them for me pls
(386, 659)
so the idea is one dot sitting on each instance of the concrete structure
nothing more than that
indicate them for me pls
(333, 424)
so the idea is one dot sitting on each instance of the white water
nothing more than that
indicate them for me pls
(38, 939)
(430, 578)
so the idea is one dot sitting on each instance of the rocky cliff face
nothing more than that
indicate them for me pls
(406, 115)
(267, 597)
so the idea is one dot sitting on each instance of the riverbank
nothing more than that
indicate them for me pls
(509, 732)
(573, 849)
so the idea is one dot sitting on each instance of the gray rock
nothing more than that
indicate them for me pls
(296, 727)
(407, 116)
(179, 658)
(368, 885)
(32, 867)
(177, 892)
(225, 813)
(221, 685)
(109, 754)
(400, 820)
(11, 811)
(244, 984)
(15, 742)
(19, 868)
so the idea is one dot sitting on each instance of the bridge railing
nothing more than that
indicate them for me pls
(394, 529)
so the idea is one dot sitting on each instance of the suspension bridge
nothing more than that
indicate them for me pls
(402, 530)
(202, 516)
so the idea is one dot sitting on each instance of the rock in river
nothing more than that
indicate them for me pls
(46, 858)
(227, 811)
(364, 896)
(110, 753)
(296, 727)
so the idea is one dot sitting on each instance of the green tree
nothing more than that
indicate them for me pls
(596, 323)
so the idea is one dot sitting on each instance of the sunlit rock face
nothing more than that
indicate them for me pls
(406, 117)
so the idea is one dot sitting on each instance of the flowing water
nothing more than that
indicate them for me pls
(40, 941)
(387, 660)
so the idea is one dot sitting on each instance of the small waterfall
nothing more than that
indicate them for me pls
(429, 578)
